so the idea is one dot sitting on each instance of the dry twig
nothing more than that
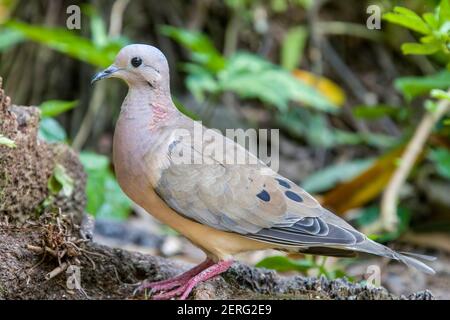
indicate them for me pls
(389, 219)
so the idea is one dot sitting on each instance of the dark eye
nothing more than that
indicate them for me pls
(136, 62)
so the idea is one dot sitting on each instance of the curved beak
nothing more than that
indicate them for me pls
(104, 74)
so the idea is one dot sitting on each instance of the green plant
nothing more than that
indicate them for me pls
(434, 28)
(99, 51)
(441, 159)
(105, 198)
(60, 182)
(304, 265)
(243, 73)
(49, 129)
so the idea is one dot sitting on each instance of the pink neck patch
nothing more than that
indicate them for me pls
(160, 114)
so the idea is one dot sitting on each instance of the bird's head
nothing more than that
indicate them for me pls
(137, 65)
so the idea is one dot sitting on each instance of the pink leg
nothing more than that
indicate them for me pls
(176, 281)
(206, 274)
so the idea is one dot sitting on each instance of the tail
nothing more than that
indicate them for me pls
(410, 259)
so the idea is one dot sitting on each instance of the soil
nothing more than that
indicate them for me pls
(108, 273)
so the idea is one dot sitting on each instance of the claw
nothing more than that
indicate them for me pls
(185, 282)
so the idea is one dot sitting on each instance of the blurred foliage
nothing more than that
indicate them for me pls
(325, 86)
(379, 111)
(105, 198)
(304, 266)
(99, 51)
(370, 215)
(49, 129)
(60, 182)
(412, 87)
(52, 108)
(329, 177)
(364, 187)
(246, 74)
(293, 46)
(65, 41)
(434, 26)
(315, 129)
(441, 158)
(9, 38)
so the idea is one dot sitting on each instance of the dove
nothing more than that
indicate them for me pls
(221, 206)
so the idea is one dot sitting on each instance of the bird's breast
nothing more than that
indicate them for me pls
(138, 155)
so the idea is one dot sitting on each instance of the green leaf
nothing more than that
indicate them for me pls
(191, 114)
(422, 49)
(330, 176)
(374, 112)
(418, 48)
(430, 105)
(51, 131)
(431, 20)
(444, 12)
(4, 141)
(60, 182)
(67, 42)
(412, 87)
(440, 94)
(9, 38)
(283, 264)
(98, 27)
(104, 195)
(202, 49)
(441, 158)
(250, 76)
(52, 108)
(200, 81)
(292, 47)
(371, 214)
(313, 127)
(94, 162)
(247, 75)
(408, 19)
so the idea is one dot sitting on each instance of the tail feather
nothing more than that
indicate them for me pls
(410, 259)
(419, 256)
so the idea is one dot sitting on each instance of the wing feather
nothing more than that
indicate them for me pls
(249, 199)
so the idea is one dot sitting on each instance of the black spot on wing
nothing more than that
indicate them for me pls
(173, 144)
(264, 196)
(283, 183)
(293, 196)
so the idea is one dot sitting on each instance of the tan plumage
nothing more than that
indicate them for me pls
(221, 207)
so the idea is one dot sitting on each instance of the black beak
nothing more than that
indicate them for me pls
(104, 74)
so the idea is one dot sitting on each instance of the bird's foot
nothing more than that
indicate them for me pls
(176, 281)
(185, 288)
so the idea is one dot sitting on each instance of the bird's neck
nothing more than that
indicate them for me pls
(143, 113)
(147, 104)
